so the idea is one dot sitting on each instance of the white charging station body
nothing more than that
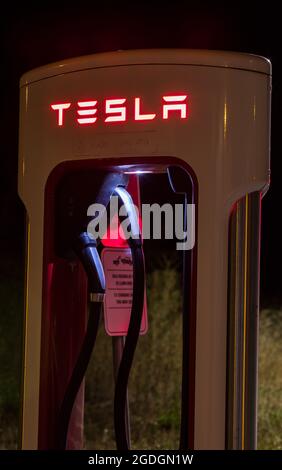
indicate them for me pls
(225, 139)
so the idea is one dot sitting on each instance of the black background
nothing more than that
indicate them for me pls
(34, 35)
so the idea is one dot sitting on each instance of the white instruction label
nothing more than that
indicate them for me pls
(117, 263)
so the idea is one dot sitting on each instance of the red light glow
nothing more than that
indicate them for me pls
(113, 111)
(175, 105)
(86, 104)
(60, 108)
(141, 117)
(111, 108)
(87, 112)
(114, 236)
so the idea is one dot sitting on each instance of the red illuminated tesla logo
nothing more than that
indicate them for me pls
(115, 110)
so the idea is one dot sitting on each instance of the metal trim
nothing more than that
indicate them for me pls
(242, 334)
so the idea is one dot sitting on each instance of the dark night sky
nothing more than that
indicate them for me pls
(34, 36)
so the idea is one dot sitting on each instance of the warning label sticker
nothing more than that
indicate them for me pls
(117, 263)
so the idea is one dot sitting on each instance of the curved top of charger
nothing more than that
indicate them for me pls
(197, 57)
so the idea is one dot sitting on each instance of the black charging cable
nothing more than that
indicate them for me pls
(87, 252)
(182, 183)
(135, 244)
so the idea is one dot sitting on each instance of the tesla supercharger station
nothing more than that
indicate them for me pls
(203, 116)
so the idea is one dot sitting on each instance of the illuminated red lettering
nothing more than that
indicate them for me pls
(141, 117)
(60, 108)
(111, 108)
(87, 112)
(175, 104)
(115, 110)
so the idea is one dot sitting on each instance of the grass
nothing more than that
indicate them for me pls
(155, 377)
(11, 308)
(154, 388)
(270, 381)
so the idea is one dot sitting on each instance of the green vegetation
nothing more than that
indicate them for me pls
(270, 381)
(11, 308)
(154, 389)
(155, 378)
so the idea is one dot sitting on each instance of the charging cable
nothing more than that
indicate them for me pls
(86, 249)
(135, 244)
(87, 252)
